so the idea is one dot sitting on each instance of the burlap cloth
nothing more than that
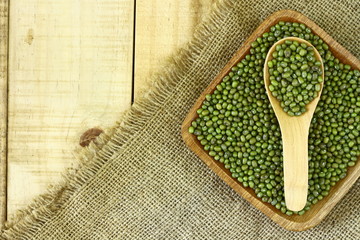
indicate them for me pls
(141, 181)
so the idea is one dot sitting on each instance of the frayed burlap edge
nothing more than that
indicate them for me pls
(89, 160)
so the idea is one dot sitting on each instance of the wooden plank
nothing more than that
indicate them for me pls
(70, 69)
(3, 104)
(161, 28)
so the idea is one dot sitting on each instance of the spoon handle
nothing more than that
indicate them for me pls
(295, 155)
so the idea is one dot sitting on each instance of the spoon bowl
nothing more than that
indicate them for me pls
(294, 132)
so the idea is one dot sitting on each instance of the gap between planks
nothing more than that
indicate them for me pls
(4, 39)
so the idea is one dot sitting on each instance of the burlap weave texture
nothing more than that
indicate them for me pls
(141, 181)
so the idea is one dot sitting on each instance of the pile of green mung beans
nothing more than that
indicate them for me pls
(237, 126)
(295, 76)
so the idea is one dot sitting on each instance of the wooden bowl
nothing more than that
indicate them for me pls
(318, 211)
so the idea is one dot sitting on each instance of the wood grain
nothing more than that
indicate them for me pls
(161, 28)
(70, 70)
(294, 133)
(317, 212)
(4, 18)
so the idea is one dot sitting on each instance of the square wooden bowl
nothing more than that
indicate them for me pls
(318, 211)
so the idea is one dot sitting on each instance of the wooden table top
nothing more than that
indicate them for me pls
(74, 65)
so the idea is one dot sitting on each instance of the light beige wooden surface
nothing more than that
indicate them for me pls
(162, 27)
(294, 133)
(72, 67)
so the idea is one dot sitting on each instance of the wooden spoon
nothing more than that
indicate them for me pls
(294, 132)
